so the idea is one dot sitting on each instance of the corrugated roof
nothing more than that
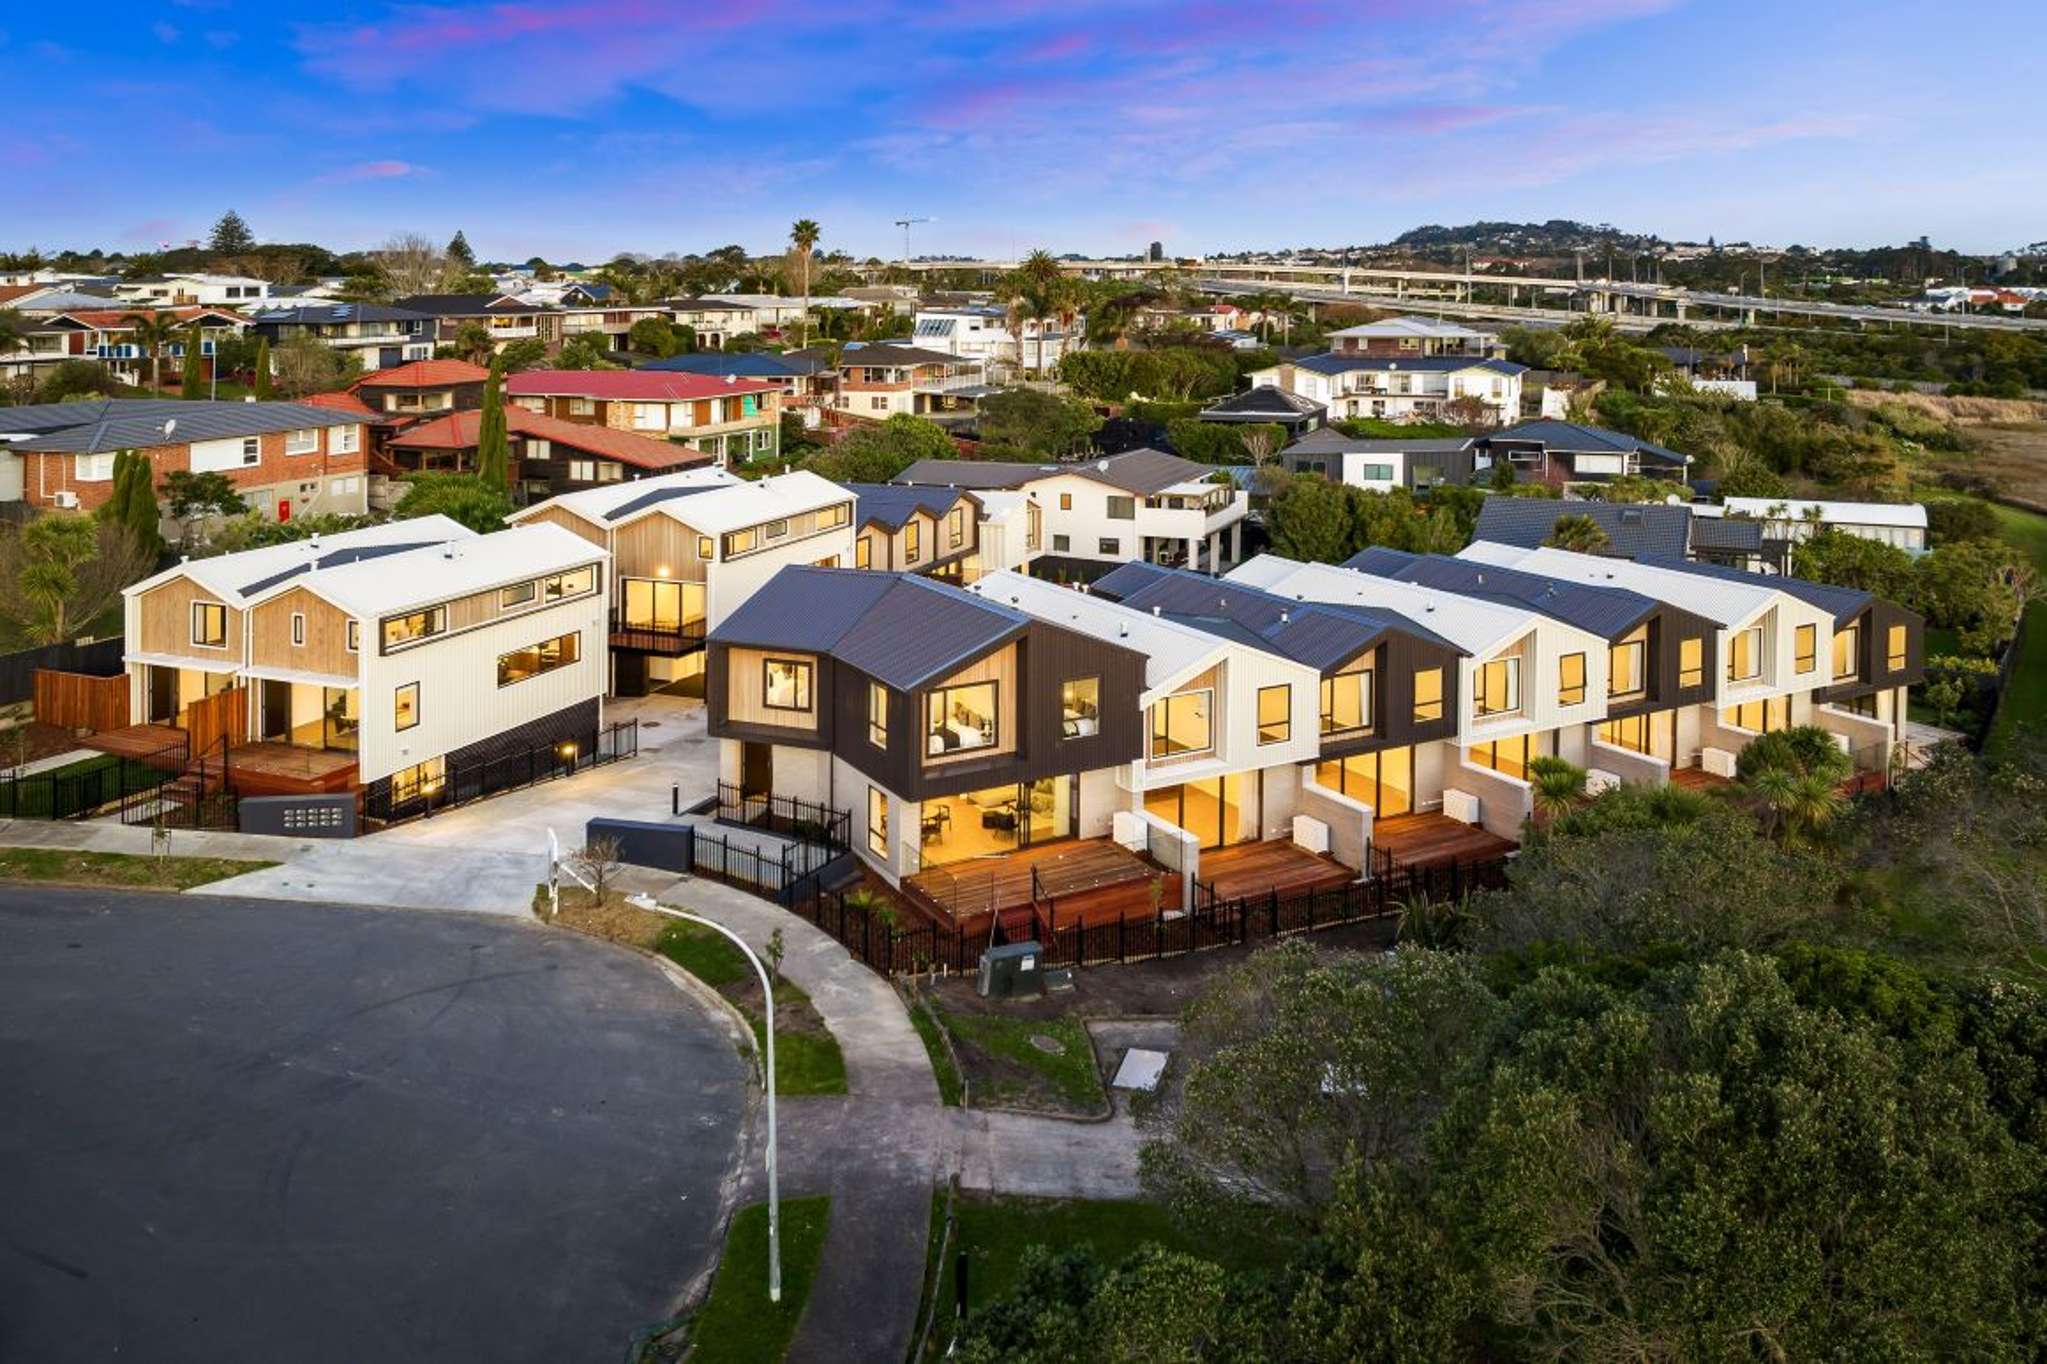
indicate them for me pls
(629, 385)
(1476, 627)
(1141, 472)
(321, 314)
(609, 501)
(1724, 603)
(1266, 398)
(458, 431)
(229, 576)
(1843, 602)
(757, 365)
(899, 628)
(1330, 441)
(424, 374)
(890, 505)
(1633, 527)
(130, 423)
(1733, 533)
(1332, 363)
(1609, 612)
(1909, 515)
(1171, 648)
(455, 568)
(1577, 438)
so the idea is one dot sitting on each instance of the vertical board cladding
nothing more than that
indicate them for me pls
(320, 645)
(658, 546)
(569, 521)
(1394, 662)
(1003, 668)
(1875, 622)
(460, 701)
(743, 688)
(1669, 627)
(166, 624)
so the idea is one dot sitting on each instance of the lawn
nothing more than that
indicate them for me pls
(73, 789)
(1044, 1063)
(64, 866)
(932, 1034)
(2025, 696)
(807, 1057)
(737, 1322)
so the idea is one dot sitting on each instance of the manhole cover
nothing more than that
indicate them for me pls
(650, 724)
(1048, 1044)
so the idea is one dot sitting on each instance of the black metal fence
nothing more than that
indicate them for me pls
(87, 787)
(799, 819)
(101, 658)
(462, 781)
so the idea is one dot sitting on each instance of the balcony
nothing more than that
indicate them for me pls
(656, 636)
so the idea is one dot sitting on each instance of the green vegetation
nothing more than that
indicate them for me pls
(1225, 442)
(807, 1056)
(32, 797)
(1311, 518)
(1176, 373)
(493, 437)
(1008, 1066)
(61, 866)
(737, 1323)
(1028, 423)
(951, 1091)
(876, 454)
(460, 497)
(61, 572)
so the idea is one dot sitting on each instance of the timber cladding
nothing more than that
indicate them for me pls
(746, 689)
(303, 632)
(1002, 669)
(79, 701)
(568, 521)
(168, 624)
(658, 546)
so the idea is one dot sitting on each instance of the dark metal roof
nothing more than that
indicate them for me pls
(1633, 527)
(1844, 602)
(758, 365)
(898, 628)
(890, 505)
(1330, 441)
(318, 314)
(352, 555)
(1609, 612)
(466, 305)
(1321, 635)
(1577, 438)
(128, 423)
(657, 497)
(1735, 533)
(1264, 399)
(1140, 472)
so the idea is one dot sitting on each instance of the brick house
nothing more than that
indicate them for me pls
(732, 419)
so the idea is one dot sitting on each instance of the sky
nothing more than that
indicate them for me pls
(575, 129)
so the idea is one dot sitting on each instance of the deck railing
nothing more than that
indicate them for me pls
(656, 639)
(807, 821)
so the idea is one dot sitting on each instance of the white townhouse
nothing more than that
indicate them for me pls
(1400, 387)
(982, 332)
(1528, 686)
(1898, 524)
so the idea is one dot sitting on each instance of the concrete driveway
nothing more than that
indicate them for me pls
(238, 1130)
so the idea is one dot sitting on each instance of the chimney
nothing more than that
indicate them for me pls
(1155, 611)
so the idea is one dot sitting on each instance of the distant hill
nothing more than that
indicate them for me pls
(1558, 236)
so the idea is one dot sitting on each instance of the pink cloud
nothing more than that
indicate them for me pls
(371, 170)
(1445, 118)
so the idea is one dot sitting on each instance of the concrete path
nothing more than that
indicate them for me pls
(879, 1152)
(1020, 1153)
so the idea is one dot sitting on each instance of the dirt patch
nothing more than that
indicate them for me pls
(34, 742)
(1961, 411)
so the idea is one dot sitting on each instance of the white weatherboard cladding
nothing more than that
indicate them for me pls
(1780, 623)
(460, 701)
(728, 583)
(1541, 648)
(1242, 672)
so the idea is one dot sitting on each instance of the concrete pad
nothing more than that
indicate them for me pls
(1020, 1153)
(1140, 1070)
(368, 872)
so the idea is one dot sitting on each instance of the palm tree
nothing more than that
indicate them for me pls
(1579, 532)
(803, 235)
(1558, 786)
(155, 333)
(1776, 790)
(1814, 802)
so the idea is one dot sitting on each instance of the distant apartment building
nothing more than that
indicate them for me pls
(731, 419)
(1901, 525)
(379, 338)
(186, 290)
(1399, 387)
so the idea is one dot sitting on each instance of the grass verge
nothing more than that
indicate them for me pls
(69, 867)
(737, 1322)
(1044, 1063)
(951, 1090)
(2025, 694)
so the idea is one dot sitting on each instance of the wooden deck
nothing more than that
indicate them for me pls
(1277, 864)
(135, 741)
(1697, 779)
(1429, 840)
(970, 890)
(274, 769)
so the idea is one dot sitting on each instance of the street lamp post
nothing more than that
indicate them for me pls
(768, 994)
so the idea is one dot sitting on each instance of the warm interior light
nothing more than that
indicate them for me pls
(662, 571)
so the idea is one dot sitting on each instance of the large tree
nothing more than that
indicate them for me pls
(876, 454)
(458, 252)
(231, 235)
(411, 264)
(305, 364)
(803, 237)
(59, 573)
(262, 385)
(1036, 424)
(493, 441)
(153, 333)
(192, 367)
(461, 497)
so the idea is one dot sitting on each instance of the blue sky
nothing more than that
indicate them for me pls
(578, 128)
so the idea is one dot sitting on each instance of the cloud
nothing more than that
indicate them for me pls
(165, 33)
(372, 170)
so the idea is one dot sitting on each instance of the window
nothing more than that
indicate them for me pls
(1764, 717)
(913, 541)
(518, 594)
(1509, 757)
(778, 528)
(704, 550)
(1108, 545)
(1499, 687)
(354, 636)
(741, 541)
(1571, 680)
(1630, 733)
(1346, 702)
(420, 779)
(1627, 668)
(209, 625)
(94, 468)
(877, 715)
(1080, 707)
(1805, 653)
(960, 719)
(1122, 509)
(405, 706)
(298, 629)
(1066, 502)
(1376, 473)
(1894, 649)
(576, 582)
(834, 516)
(1275, 714)
(650, 416)
(582, 471)
(877, 404)
(535, 659)
(304, 441)
(415, 626)
(1183, 723)
(1428, 695)
(347, 439)
(1848, 653)
(863, 552)
(1061, 544)
(785, 684)
(1745, 655)
(956, 528)
(1691, 662)
(877, 821)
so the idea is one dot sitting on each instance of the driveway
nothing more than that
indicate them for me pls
(249, 1130)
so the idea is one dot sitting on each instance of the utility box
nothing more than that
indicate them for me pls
(1013, 970)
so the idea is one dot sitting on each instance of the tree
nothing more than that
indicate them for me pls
(524, 353)
(1036, 424)
(1579, 532)
(153, 333)
(803, 236)
(464, 498)
(15, 330)
(584, 351)
(411, 264)
(1557, 785)
(231, 235)
(69, 380)
(458, 253)
(493, 440)
(1843, 560)
(653, 336)
(194, 497)
(263, 386)
(1949, 519)
(192, 369)
(62, 572)
(473, 343)
(133, 503)
(1309, 521)
(305, 364)
(876, 454)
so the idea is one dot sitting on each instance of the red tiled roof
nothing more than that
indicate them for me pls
(424, 374)
(631, 385)
(339, 402)
(457, 431)
(104, 318)
(10, 292)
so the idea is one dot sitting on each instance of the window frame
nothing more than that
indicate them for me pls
(201, 610)
(398, 708)
(1325, 703)
(1735, 638)
(1692, 674)
(877, 829)
(1637, 651)
(1571, 693)
(1070, 718)
(1428, 710)
(805, 670)
(508, 602)
(1510, 668)
(1897, 648)
(1278, 731)
(436, 618)
(1161, 710)
(298, 629)
(568, 653)
(1805, 649)
(1852, 632)
(877, 714)
(933, 712)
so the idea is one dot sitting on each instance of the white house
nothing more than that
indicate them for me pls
(1900, 524)
(982, 332)
(198, 287)
(1399, 387)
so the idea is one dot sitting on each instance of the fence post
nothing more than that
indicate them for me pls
(1272, 914)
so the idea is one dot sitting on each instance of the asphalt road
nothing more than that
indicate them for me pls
(241, 1130)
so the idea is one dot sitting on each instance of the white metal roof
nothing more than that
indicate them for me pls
(1910, 515)
(1477, 627)
(226, 576)
(743, 504)
(1000, 504)
(1171, 650)
(372, 587)
(596, 504)
(1412, 326)
(1720, 600)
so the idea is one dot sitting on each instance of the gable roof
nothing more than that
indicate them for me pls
(610, 502)
(881, 355)
(1577, 438)
(1725, 603)
(1262, 400)
(1143, 471)
(754, 365)
(237, 578)
(1171, 648)
(1433, 328)
(1632, 527)
(424, 374)
(1474, 626)
(465, 305)
(1844, 602)
(1606, 611)
(899, 628)
(345, 402)
(629, 385)
(90, 428)
(891, 505)
(458, 431)
(1330, 441)
(318, 314)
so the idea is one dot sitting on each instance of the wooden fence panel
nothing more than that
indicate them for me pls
(221, 713)
(80, 701)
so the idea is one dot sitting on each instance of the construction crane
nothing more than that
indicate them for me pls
(905, 224)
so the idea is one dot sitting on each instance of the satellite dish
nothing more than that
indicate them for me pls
(170, 425)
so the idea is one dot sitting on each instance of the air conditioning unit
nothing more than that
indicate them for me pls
(65, 499)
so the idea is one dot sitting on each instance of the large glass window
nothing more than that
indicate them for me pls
(535, 659)
(1745, 654)
(1275, 714)
(1571, 680)
(1428, 695)
(1763, 717)
(1183, 723)
(1848, 653)
(1635, 733)
(415, 625)
(209, 625)
(877, 821)
(420, 779)
(1080, 707)
(1805, 651)
(961, 719)
(1691, 662)
(1627, 665)
(1346, 702)
(877, 715)
(785, 684)
(1499, 687)
(1508, 757)
(576, 582)
(1384, 780)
